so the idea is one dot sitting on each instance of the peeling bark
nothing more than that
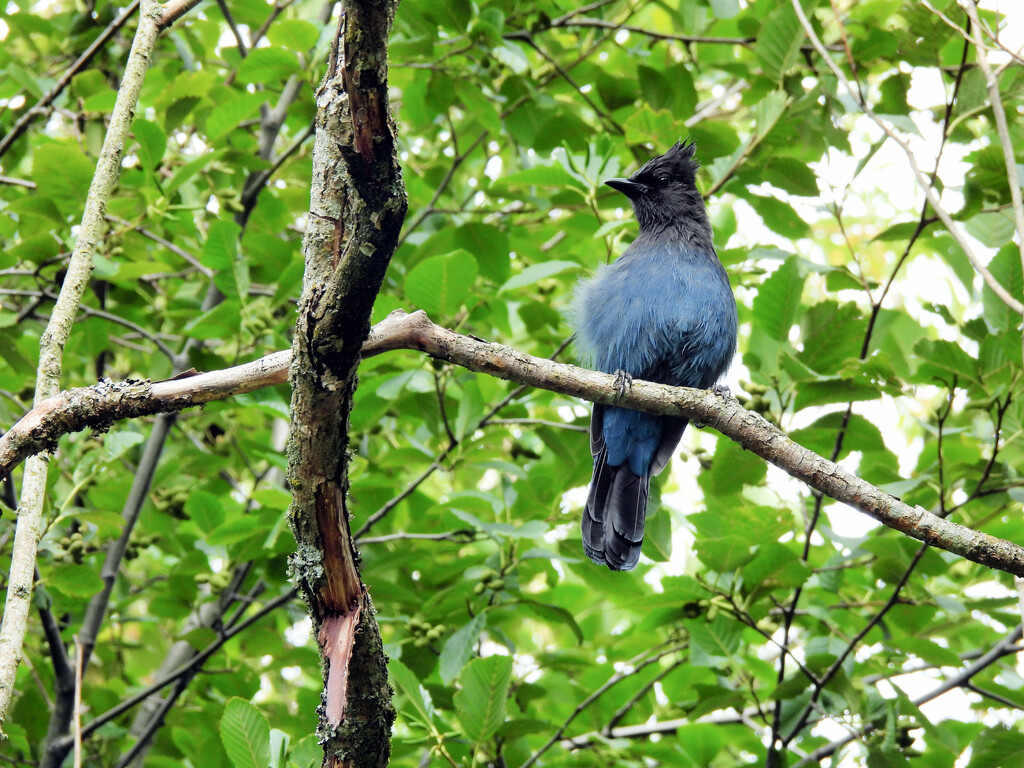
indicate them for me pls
(357, 205)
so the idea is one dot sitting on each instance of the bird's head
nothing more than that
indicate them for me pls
(664, 188)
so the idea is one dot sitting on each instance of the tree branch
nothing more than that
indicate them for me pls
(357, 206)
(51, 345)
(415, 331)
(1005, 647)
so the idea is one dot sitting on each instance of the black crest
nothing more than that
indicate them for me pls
(678, 165)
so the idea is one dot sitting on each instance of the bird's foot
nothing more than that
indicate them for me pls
(723, 391)
(623, 382)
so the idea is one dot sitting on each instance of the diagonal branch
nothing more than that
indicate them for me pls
(404, 331)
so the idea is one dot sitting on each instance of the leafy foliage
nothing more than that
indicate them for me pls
(763, 611)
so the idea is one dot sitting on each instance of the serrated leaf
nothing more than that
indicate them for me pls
(714, 642)
(555, 614)
(775, 565)
(699, 743)
(205, 510)
(441, 284)
(459, 648)
(778, 43)
(993, 229)
(152, 143)
(229, 114)
(116, 444)
(656, 89)
(767, 113)
(998, 745)
(293, 34)
(1006, 269)
(267, 65)
(480, 704)
(792, 175)
(221, 246)
(63, 174)
(779, 216)
(540, 175)
(245, 734)
(778, 300)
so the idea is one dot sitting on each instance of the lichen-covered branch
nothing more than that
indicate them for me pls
(415, 331)
(357, 206)
(51, 345)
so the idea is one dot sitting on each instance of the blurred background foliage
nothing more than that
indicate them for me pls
(865, 333)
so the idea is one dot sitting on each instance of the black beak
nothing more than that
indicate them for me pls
(629, 188)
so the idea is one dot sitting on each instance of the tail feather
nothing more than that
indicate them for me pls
(613, 518)
(592, 524)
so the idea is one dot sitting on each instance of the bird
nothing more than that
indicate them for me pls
(664, 311)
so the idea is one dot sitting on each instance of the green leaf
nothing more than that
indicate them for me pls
(998, 745)
(537, 272)
(63, 174)
(732, 468)
(779, 216)
(555, 614)
(767, 113)
(486, 243)
(268, 65)
(1006, 269)
(152, 143)
(294, 34)
(407, 683)
(117, 444)
(725, 9)
(775, 566)
(655, 88)
(231, 113)
(778, 43)
(480, 703)
(460, 647)
(79, 581)
(713, 643)
(245, 734)
(699, 743)
(221, 247)
(792, 175)
(778, 299)
(205, 510)
(993, 229)
(441, 284)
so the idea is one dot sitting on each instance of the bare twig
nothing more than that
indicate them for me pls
(1004, 647)
(48, 98)
(922, 180)
(631, 668)
(1002, 128)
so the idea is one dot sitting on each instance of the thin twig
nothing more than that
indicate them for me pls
(922, 181)
(65, 79)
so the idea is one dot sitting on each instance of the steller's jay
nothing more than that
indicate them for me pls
(663, 312)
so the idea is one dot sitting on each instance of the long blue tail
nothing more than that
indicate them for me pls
(629, 448)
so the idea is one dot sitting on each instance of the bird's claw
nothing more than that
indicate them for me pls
(623, 382)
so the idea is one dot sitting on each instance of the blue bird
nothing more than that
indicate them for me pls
(663, 312)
